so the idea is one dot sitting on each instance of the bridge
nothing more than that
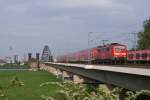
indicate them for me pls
(128, 78)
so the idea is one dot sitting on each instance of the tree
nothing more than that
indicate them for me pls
(144, 37)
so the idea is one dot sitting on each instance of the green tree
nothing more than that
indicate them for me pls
(144, 37)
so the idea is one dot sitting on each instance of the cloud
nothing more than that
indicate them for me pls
(82, 3)
(64, 24)
(73, 3)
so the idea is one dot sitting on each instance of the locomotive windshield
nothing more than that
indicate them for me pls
(120, 49)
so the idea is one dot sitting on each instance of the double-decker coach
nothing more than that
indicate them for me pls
(139, 56)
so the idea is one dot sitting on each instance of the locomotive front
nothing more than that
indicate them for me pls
(119, 52)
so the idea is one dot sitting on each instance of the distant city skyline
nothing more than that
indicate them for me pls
(27, 25)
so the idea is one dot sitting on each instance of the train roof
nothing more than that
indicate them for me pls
(111, 45)
(86, 50)
(138, 51)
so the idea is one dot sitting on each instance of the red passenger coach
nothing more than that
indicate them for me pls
(139, 56)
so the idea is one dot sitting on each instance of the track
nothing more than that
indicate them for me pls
(145, 66)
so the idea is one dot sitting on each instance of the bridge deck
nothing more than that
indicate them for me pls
(120, 69)
(126, 77)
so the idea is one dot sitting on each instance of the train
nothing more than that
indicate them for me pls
(113, 53)
(138, 56)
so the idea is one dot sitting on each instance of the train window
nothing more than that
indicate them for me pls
(137, 55)
(130, 55)
(120, 48)
(107, 49)
(117, 49)
(144, 55)
(123, 50)
(99, 50)
(104, 49)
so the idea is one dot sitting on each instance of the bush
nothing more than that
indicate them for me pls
(71, 91)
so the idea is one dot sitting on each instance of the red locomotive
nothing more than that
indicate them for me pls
(111, 53)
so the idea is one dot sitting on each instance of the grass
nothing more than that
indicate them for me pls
(32, 80)
(13, 66)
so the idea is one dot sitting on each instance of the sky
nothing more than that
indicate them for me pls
(28, 25)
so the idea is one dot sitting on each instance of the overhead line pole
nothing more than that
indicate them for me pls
(89, 49)
(104, 41)
(134, 45)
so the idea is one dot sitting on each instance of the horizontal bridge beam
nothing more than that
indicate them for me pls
(126, 80)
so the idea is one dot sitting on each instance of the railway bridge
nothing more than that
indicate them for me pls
(128, 78)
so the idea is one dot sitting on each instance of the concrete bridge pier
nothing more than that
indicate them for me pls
(77, 79)
(58, 73)
(67, 76)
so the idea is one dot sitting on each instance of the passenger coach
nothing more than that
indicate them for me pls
(139, 56)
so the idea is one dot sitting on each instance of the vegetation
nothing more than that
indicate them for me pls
(79, 92)
(31, 89)
(13, 66)
(136, 95)
(144, 36)
(35, 86)
(13, 83)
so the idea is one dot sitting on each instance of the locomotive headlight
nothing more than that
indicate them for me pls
(119, 54)
(116, 54)
(124, 54)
